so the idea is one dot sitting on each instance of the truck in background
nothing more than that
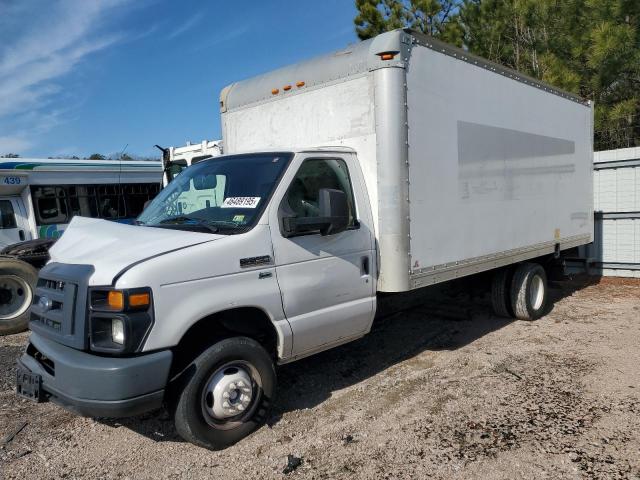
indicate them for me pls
(38, 199)
(176, 159)
(397, 163)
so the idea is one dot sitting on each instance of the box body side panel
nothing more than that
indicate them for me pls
(495, 166)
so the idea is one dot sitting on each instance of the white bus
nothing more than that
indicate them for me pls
(38, 199)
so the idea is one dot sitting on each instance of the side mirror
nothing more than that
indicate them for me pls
(333, 215)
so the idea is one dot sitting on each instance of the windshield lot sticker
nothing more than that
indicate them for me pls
(240, 202)
(238, 218)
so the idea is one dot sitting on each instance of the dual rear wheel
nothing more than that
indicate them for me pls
(520, 291)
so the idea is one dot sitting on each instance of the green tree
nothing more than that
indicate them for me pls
(433, 17)
(97, 156)
(588, 47)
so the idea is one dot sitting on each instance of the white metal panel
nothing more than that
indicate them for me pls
(339, 114)
(494, 164)
(621, 241)
(617, 189)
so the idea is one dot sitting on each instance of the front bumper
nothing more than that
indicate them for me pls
(96, 386)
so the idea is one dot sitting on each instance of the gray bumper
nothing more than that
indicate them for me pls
(98, 386)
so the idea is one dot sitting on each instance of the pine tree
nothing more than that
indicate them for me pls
(587, 47)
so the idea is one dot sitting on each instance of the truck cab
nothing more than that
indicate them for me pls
(274, 250)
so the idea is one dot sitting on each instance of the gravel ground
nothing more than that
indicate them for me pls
(440, 388)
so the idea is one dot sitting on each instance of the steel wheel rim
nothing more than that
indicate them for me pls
(20, 297)
(536, 293)
(209, 397)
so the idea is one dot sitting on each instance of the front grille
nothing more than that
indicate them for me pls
(54, 305)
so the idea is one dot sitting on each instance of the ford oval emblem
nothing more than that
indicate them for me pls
(45, 304)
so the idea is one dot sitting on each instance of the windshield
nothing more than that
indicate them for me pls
(222, 195)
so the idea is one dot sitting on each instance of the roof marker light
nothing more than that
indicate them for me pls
(300, 84)
(387, 55)
(275, 91)
(286, 88)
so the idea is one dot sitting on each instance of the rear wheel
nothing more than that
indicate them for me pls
(229, 394)
(501, 292)
(529, 291)
(17, 283)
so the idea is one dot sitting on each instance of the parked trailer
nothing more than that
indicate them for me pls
(38, 198)
(176, 159)
(397, 163)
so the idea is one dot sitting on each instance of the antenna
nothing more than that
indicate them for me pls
(120, 192)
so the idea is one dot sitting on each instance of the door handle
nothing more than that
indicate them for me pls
(365, 266)
(262, 275)
(21, 234)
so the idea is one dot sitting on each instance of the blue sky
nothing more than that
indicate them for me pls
(89, 76)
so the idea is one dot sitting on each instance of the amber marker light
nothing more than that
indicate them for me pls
(387, 56)
(299, 84)
(115, 300)
(275, 91)
(286, 88)
(139, 300)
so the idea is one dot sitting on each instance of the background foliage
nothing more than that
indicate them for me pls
(588, 47)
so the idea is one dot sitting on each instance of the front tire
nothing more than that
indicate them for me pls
(229, 394)
(17, 284)
(529, 291)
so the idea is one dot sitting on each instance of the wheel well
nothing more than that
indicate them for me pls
(245, 321)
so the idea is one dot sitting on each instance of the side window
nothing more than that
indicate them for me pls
(82, 200)
(110, 202)
(315, 174)
(50, 204)
(136, 195)
(8, 217)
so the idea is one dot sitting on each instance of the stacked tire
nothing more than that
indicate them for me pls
(520, 291)
(17, 284)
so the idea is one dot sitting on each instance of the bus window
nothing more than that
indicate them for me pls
(50, 205)
(136, 195)
(7, 216)
(82, 200)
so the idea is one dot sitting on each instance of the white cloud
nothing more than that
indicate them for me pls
(187, 25)
(35, 54)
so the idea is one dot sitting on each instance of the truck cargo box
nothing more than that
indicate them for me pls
(469, 166)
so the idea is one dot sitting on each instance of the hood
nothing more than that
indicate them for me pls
(112, 247)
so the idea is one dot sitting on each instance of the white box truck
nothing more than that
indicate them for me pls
(396, 163)
(176, 159)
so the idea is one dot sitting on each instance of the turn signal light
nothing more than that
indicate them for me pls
(139, 300)
(387, 56)
(115, 300)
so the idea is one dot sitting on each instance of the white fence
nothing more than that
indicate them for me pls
(616, 189)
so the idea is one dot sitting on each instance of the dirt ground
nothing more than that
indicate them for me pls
(440, 388)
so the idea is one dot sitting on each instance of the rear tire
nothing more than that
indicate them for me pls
(529, 291)
(501, 292)
(229, 394)
(17, 284)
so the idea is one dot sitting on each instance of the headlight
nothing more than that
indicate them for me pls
(117, 331)
(119, 320)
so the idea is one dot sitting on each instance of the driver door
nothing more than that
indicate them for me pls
(326, 282)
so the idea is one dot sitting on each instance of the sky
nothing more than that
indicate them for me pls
(79, 77)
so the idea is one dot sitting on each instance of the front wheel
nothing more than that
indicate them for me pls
(229, 394)
(17, 283)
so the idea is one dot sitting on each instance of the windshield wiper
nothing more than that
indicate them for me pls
(183, 219)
